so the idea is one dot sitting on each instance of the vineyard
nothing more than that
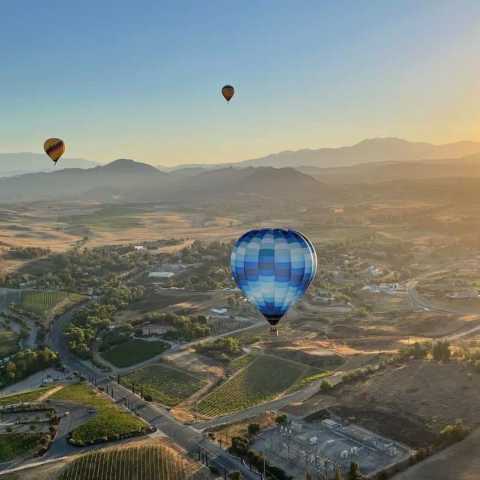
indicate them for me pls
(43, 303)
(139, 463)
(263, 379)
(8, 343)
(219, 326)
(133, 352)
(165, 384)
(110, 421)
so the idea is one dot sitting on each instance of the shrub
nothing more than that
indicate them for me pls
(326, 386)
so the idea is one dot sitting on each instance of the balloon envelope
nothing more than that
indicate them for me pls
(228, 91)
(273, 267)
(54, 148)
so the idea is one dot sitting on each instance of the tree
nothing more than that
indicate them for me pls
(441, 351)
(325, 386)
(354, 472)
(253, 429)
(281, 419)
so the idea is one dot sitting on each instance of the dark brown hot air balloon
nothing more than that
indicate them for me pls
(228, 91)
(54, 148)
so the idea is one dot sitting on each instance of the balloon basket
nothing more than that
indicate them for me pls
(274, 331)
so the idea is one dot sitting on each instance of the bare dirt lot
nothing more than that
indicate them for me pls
(411, 402)
(459, 462)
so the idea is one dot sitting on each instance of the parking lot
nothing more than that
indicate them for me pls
(325, 446)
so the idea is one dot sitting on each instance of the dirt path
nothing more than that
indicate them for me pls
(49, 393)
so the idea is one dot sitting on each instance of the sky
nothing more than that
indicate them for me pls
(142, 80)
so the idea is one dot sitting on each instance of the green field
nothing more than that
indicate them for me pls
(109, 423)
(166, 385)
(8, 343)
(138, 463)
(13, 445)
(133, 352)
(109, 218)
(45, 303)
(263, 379)
(24, 397)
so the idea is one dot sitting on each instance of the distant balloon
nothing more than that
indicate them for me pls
(54, 148)
(228, 91)
(273, 267)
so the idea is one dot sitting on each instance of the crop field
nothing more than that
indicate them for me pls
(166, 385)
(224, 325)
(139, 463)
(263, 379)
(110, 421)
(133, 352)
(43, 303)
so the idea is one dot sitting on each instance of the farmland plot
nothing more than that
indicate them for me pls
(263, 379)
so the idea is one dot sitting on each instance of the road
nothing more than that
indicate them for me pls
(180, 348)
(419, 302)
(187, 437)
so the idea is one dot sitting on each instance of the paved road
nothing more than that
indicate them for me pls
(179, 348)
(189, 438)
(420, 302)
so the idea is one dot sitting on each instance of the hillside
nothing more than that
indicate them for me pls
(468, 166)
(127, 180)
(101, 183)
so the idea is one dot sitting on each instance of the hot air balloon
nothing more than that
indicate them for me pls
(54, 148)
(273, 267)
(228, 91)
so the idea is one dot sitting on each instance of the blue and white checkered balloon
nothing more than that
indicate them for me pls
(273, 267)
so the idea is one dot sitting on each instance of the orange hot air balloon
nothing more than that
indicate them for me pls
(54, 148)
(228, 91)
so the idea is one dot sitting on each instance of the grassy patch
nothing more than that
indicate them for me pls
(263, 379)
(13, 445)
(166, 385)
(109, 218)
(24, 397)
(109, 423)
(133, 352)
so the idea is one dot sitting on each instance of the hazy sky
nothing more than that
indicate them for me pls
(141, 79)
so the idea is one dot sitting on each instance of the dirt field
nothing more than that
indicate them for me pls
(404, 401)
(459, 462)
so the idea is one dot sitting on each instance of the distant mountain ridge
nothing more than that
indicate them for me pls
(127, 180)
(373, 150)
(20, 163)
(367, 151)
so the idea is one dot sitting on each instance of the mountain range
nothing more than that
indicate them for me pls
(257, 185)
(367, 151)
(18, 163)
